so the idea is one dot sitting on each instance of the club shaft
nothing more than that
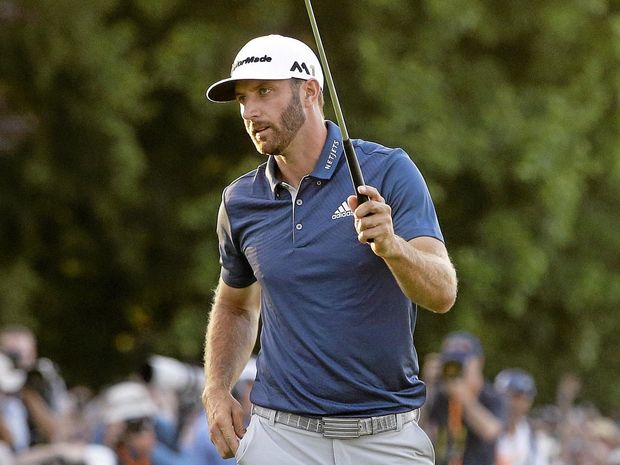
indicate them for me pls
(328, 75)
(351, 157)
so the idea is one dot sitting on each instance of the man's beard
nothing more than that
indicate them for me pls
(291, 120)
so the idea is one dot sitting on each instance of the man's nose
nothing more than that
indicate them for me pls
(250, 109)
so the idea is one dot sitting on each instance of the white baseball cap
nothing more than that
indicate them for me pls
(249, 371)
(271, 57)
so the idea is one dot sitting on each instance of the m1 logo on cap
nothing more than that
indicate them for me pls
(300, 68)
(245, 61)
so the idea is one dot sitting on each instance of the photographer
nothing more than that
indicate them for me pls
(43, 391)
(519, 444)
(14, 432)
(466, 415)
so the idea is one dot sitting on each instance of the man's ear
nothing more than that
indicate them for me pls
(311, 91)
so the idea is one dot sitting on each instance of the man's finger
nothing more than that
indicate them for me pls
(221, 444)
(232, 441)
(238, 424)
(352, 201)
(371, 192)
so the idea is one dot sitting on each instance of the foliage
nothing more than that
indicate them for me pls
(112, 165)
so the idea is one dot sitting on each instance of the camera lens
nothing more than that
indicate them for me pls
(452, 369)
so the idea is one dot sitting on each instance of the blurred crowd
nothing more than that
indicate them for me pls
(475, 421)
(155, 416)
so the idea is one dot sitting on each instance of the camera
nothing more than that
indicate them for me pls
(452, 369)
(170, 374)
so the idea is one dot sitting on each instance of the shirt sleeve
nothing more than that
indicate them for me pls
(235, 268)
(405, 190)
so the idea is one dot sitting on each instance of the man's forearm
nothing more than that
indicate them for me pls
(43, 417)
(231, 335)
(427, 278)
(482, 421)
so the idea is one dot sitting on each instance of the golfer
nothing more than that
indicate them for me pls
(335, 283)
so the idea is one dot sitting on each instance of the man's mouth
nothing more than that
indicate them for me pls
(259, 133)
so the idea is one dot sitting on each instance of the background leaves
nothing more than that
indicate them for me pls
(112, 165)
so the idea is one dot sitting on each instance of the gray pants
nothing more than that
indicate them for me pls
(269, 443)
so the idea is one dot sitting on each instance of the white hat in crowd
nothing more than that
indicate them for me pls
(127, 401)
(249, 371)
(272, 57)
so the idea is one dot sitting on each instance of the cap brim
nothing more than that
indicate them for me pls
(455, 356)
(222, 91)
(129, 412)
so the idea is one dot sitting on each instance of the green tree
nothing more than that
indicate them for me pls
(512, 113)
(112, 166)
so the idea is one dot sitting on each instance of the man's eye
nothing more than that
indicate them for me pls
(264, 90)
(240, 99)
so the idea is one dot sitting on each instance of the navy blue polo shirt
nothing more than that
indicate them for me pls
(337, 330)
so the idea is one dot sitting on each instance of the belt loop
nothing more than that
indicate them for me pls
(272, 417)
(399, 421)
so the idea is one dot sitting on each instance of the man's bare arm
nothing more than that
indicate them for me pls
(421, 266)
(424, 272)
(231, 335)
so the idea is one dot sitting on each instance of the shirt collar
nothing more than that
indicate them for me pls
(325, 166)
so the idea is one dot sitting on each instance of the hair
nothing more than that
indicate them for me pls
(16, 329)
(296, 84)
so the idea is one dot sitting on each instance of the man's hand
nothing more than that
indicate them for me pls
(373, 222)
(225, 418)
(458, 389)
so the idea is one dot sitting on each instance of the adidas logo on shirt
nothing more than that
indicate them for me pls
(343, 210)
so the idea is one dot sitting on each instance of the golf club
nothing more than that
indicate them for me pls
(352, 162)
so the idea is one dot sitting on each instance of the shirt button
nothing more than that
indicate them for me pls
(299, 202)
(298, 227)
(318, 183)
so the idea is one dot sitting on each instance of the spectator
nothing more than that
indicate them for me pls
(604, 438)
(43, 393)
(14, 432)
(78, 422)
(518, 444)
(133, 429)
(466, 415)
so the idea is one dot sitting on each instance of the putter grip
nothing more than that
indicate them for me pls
(356, 172)
(354, 169)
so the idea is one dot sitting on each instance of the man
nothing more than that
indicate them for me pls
(333, 281)
(14, 431)
(132, 428)
(44, 391)
(518, 444)
(467, 415)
